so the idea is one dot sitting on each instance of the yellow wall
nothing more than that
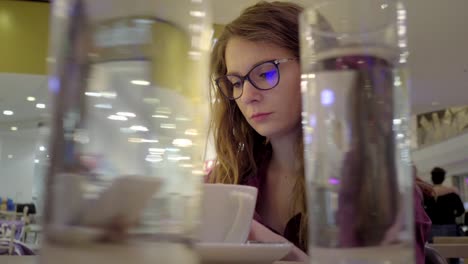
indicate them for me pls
(172, 72)
(218, 28)
(24, 30)
(24, 34)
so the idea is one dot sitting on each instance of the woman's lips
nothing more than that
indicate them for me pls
(260, 116)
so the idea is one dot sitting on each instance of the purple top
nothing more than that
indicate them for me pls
(291, 232)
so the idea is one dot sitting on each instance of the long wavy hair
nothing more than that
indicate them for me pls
(240, 149)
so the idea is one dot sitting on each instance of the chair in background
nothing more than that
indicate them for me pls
(7, 239)
(31, 208)
(19, 220)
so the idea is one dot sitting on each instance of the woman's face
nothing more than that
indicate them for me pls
(275, 112)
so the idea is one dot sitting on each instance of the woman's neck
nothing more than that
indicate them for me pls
(284, 156)
(275, 206)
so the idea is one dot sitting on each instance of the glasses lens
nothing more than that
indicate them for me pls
(265, 76)
(230, 86)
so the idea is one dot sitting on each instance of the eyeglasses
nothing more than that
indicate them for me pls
(263, 76)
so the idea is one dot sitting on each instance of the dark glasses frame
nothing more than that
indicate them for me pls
(275, 62)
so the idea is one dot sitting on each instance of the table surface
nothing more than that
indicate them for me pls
(144, 253)
(34, 260)
(451, 250)
(446, 250)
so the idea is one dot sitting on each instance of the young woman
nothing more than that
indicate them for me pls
(257, 119)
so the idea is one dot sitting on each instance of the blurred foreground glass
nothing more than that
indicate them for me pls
(356, 132)
(129, 81)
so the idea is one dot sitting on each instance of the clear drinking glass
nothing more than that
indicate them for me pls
(129, 81)
(356, 132)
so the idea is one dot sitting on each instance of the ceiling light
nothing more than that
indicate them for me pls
(41, 106)
(42, 148)
(116, 117)
(142, 140)
(10, 156)
(8, 112)
(161, 116)
(36, 161)
(153, 158)
(140, 82)
(182, 118)
(197, 13)
(13, 128)
(163, 110)
(102, 94)
(177, 158)
(156, 150)
(194, 54)
(150, 141)
(127, 114)
(139, 128)
(103, 106)
(168, 126)
(31, 99)
(182, 142)
(126, 130)
(93, 94)
(191, 132)
(110, 95)
(172, 149)
(151, 100)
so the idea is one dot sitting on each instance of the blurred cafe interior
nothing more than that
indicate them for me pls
(438, 70)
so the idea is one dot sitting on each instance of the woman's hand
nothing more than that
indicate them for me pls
(261, 233)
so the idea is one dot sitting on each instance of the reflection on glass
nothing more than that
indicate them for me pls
(142, 64)
(356, 132)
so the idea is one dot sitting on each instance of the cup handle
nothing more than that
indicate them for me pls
(243, 200)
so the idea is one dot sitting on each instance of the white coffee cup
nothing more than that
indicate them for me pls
(227, 212)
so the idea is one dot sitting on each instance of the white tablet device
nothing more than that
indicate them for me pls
(125, 199)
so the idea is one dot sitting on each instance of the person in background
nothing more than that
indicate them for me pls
(256, 121)
(444, 206)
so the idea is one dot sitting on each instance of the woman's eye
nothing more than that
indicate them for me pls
(236, 85)
(268, 74)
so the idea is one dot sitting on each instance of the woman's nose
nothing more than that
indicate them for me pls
(250, 93)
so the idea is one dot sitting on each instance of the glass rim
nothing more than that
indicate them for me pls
(392, 20)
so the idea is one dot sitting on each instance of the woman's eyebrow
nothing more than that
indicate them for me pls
(251, 67)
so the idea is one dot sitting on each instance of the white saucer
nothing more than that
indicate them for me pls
(242, 253)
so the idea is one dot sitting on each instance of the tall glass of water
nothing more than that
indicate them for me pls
(356, 132)
(129, 81)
